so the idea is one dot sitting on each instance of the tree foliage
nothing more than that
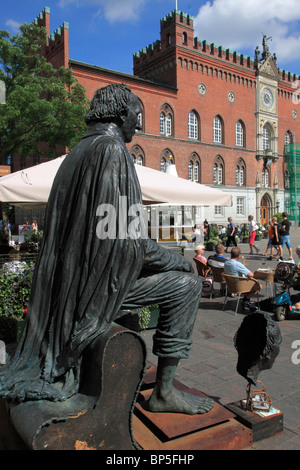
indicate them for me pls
(44, 107)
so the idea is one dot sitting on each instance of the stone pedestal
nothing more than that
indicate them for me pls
(216, 430)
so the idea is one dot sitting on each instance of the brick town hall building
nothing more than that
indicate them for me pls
(223, 118)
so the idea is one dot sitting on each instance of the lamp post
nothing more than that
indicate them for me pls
(299, 213)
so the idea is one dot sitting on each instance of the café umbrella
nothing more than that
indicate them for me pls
(30, 188)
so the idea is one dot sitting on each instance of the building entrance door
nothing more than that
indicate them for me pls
(264, 212)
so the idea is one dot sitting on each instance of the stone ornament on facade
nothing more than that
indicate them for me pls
(202, 89)
(231, 97)
(294, 113)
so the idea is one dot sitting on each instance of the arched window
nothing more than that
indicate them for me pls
(217, 130)
(166, 121)
(240, 173)
(193, 127)
(138, 155)
(218, 171)
(239, 134)
(184, 38)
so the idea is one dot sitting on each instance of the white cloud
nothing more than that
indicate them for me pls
(13, 25)
(112, 10)
(239, 25)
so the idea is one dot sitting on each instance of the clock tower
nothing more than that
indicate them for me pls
(267, 77)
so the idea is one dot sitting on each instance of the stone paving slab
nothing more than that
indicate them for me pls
(211, 367)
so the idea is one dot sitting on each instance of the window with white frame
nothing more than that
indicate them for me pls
(217, 130)
(166, 121)
(192, 126)
(141, 118)
(196, 172)
(265, 178)
(219, 210)
(194, 168)
(288, 139)
(240, 173)
(191, 166)
(218, 171)
(162, 123)
(163, 164)
(220, 174)
(215, 173)
(265, 138)
(168, 125)
(240, 205)
(165, 124)
(239, 134)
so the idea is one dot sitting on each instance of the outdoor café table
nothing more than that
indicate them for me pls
(267, 275)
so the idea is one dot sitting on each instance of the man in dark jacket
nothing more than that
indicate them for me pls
(82, 283)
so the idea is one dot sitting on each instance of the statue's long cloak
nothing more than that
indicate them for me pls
(80, 280)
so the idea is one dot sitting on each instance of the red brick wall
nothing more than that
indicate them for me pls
(182, 67)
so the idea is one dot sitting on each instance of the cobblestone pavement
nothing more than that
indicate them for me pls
(211, 367)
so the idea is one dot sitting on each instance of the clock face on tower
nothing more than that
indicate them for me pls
(267, 98)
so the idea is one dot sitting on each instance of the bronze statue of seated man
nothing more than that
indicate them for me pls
(96, 260)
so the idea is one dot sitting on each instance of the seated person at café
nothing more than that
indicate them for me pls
(199, 250)
(218, 259)
(234, 267)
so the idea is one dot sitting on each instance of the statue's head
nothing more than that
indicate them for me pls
(257, 342)
(116, 103)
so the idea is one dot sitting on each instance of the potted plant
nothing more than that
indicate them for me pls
(214, 238)
(245, 233)
(258, 233)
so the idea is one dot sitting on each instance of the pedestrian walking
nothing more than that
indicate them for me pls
(276, 240)
(230, 233)
(270, 237)
(252, 234)
(285, 234)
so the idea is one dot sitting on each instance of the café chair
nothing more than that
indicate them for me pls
(204, 272)
(202, 269)
(218, 277)
(240, 285)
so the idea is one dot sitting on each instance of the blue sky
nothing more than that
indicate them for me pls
(108, 32)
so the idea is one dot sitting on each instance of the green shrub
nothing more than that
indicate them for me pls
(145, 314)
(15, 291)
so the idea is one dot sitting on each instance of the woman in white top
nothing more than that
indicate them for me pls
(252, 234)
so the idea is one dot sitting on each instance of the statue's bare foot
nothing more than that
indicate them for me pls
(176, 401)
